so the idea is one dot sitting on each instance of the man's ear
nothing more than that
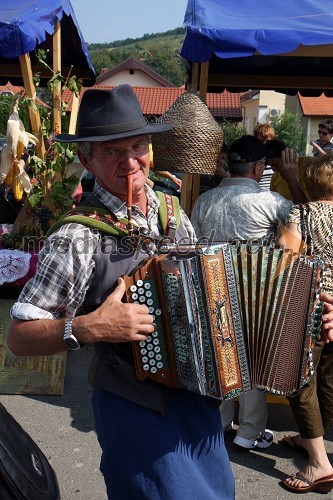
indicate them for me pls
(257, 169)
(84, 161)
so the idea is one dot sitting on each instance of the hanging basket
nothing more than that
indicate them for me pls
(193, 144)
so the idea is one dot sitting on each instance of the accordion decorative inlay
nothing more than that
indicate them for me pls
(228, 318)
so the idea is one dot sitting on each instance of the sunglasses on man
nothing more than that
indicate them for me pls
(321, 132)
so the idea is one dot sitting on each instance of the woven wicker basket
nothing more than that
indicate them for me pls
(192, 146)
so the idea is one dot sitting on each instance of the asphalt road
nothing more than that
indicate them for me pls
(63, 428)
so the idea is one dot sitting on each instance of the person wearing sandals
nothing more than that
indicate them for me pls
(309, 227)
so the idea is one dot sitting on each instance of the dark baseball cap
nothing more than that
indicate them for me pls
(248, 149)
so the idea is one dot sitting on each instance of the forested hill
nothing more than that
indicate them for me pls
(159, 51)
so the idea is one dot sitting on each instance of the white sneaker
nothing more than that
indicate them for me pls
(263, 441)
(245, 443)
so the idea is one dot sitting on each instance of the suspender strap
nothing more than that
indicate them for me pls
(94, 218)
(169, 213)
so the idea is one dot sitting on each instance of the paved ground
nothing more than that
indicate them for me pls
(63, 428)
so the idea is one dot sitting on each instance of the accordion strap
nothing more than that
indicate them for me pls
(107, 222)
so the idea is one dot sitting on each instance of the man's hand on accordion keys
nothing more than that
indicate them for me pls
(327, 317)
(115, 321)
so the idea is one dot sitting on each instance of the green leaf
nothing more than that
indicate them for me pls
(54, 81)
(34, 199)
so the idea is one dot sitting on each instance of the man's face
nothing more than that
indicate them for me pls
(324, 135)
(112, 161)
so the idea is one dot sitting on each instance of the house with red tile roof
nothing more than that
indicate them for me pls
(156, 100)
(259, 106)
(11, 90)
(156, 94)
(133, 72)
(313, 111)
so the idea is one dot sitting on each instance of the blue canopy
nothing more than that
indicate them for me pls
(29, 24)
(263, 38)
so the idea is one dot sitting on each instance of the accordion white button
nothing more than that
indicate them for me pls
(150, 302)
(142, 299)
(133, 288)
(139, 283)
(145, 367)
(158, 312)
(147, 286)
(135, 296)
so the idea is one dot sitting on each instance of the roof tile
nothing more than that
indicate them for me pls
(316, 106)
(157, 100)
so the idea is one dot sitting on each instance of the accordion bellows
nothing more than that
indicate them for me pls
(193, 144)
(229, 318)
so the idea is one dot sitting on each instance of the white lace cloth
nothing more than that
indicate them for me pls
(14, 265)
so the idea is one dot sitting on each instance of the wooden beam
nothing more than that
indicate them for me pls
(74, 112)
(192, 86)
(204, 67)
(30, 91)
(189, 192)
(266, 81)
(57, 68)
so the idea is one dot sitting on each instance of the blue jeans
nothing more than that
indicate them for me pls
(147, 455)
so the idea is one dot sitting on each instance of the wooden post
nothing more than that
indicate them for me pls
(191, 182)
(30, 91)
(73, 119)
(57, 68)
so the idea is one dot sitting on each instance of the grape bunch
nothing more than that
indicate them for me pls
(44, 215)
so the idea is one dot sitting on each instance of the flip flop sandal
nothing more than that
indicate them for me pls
(323, 485)
(291, 442)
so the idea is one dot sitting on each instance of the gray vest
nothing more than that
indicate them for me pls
(113, 367)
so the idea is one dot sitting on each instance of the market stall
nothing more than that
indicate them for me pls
(255, 44)
(25, 26)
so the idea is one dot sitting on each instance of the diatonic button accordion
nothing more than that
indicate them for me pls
(228, 318)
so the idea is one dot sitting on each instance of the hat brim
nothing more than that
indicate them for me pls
(154, 128)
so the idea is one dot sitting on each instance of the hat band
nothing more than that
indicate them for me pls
(112, 129)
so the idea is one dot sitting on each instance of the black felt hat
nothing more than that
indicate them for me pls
(109, 115)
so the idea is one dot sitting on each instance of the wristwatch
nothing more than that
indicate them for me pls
(70, 340)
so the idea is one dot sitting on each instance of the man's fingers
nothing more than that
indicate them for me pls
(118, 292)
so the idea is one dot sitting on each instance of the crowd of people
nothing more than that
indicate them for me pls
(78, 300)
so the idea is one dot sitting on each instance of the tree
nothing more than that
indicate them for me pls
(231, 131)
(288, 128)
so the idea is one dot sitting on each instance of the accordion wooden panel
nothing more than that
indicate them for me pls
(228, 318)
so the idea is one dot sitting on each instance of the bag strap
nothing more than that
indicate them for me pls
(305, 226)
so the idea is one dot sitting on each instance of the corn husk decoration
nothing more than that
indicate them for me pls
(12, 171)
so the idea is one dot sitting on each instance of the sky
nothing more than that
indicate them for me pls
(103, 21)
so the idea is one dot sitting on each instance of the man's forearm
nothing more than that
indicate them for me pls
(37, 337)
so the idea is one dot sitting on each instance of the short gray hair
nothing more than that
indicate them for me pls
(85, 149)
(238, 166)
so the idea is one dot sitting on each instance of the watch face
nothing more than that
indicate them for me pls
(72, 343)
